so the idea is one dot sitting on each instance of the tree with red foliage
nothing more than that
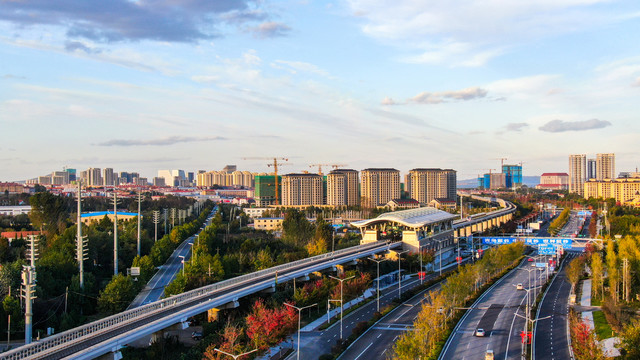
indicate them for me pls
(593, 229)
(230, 343)
(583, 340)
(266, 327)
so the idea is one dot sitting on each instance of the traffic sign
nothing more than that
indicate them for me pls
(498, 240)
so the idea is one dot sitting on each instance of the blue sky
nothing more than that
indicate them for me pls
(198, 84)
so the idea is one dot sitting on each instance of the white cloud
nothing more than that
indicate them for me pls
(469, 32)
(388, 101)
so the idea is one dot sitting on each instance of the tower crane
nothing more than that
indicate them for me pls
(501, 162)
(334, 166)
(277, 161)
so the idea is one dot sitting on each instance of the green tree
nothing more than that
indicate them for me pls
(630, 340)
(574, 271)
(117, 295)
(612, 270)
(146, 267)
(296, 229)
(48, 212)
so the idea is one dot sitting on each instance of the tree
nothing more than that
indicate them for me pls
(48, 212)
(574, 271)
(266, 327)
(597, 274)
(296, 229)
(118, 293)
(583, 340)
(230, 343)
(146, 267)
(630, 340)
(612, 270)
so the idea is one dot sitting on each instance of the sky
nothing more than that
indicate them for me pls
(197, 84)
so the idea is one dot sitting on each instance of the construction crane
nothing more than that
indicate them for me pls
(334, 166)
(501, 162)
(276, 162)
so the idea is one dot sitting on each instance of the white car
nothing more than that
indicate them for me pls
(479, 332)
(519, 286)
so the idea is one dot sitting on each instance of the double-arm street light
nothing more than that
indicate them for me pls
(378, 261)
(235, 357)
(341, 301)
(299, 317)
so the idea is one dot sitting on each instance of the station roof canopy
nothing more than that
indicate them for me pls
(413, 218)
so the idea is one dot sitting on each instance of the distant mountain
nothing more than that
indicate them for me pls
(530, 181)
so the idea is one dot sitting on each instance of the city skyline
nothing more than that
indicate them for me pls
(361, 82)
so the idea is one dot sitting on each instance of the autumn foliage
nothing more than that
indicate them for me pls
(266, 327)
(583, 340)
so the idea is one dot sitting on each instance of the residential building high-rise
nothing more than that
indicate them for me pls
(577, 173)
(94, 177)
(605, 166)
(72, 174)
(301, 190)
(342, 188)
(191, 177)
(379, 186)
(108, 177)
(59, 178)
(591, 169)
(430, 184)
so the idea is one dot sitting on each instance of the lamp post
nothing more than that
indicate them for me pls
(235, 356)
(299, 317)
(182, 261)
(341, 302)
(400, 272)
(378, 266)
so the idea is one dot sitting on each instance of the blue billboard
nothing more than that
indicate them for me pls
(497, 240)
(546, 250)
(565, 243)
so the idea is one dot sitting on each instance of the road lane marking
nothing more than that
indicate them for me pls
(365, 349)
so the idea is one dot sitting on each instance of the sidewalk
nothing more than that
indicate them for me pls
(585, 300)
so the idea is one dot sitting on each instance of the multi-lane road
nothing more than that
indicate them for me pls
(551, 336)
(495, 312)
(155, 287)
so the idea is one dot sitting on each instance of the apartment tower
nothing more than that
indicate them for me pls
(301, 189)
(605, 166)
(342, 188)
(577, 173)
(379, 186)
(429, 184)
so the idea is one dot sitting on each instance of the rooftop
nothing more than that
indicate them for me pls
(411, 218)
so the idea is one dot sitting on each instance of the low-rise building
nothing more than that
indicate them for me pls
(554, 181)
(15, 210)
(397, 204)
(625, 191)
(99, 215)
(269, 224)
(255, 212)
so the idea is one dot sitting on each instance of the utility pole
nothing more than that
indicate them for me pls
(299, 317)
(29, 283)
(625, 278)
(81, 251)
(156, 220)
(139, 219)
(115, 232)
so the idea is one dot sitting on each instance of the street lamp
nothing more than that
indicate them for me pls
(299, 317)
(182, 261)
(378, 266)
(235, 357)
(400, 272)
(341, 302)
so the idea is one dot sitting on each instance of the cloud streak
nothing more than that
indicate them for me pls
(160, 142)
(556, 126)
(440, 97)
(270, 29)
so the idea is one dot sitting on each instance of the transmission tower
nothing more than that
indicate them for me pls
(28, 290)
(81, 241)
(156, 220)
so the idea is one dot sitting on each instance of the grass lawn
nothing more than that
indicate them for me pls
(603, 330)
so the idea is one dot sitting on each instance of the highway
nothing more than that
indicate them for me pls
(377, 342)
(155, 287)
(494, 311)
(551, 336)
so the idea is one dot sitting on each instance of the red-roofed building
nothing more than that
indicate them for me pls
(403, 204)
(554, 181)
(10, 235)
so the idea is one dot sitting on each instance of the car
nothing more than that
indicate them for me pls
(488, 355)
(530, 259)
(479, 332)
(519, 286)
(196, 335)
